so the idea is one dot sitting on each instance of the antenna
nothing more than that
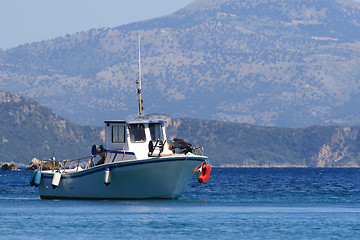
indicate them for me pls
(139, 63)
(138, 84)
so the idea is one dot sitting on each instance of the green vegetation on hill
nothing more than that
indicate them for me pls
(232, 144)
(28, 130)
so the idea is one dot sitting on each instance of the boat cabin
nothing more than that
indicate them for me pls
(135, 140)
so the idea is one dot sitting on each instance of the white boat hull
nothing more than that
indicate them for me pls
(163, 177)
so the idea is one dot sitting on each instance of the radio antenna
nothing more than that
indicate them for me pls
(138, 84)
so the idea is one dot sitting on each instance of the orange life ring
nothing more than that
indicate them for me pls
(205, 173)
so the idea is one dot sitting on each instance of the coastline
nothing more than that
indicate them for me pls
(21, 166)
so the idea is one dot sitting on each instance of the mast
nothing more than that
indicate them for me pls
(138, 84)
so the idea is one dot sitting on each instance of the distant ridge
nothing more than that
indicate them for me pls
(28, 130)
(265, 62)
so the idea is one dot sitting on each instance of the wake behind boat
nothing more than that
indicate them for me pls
(137, 162)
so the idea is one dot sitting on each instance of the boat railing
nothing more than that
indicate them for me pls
(199, 151)
(75, 165)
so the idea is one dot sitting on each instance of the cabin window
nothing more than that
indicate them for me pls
(137, 132)
(118, 134)
(156, 131)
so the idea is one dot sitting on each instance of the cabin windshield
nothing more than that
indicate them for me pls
(156, 131)
(137, 132)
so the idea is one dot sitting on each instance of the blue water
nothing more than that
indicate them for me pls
(235, 203)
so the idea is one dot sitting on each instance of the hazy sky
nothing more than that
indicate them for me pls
(23, 21)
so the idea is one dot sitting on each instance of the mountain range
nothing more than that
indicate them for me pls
(291, 63)
(30, 130)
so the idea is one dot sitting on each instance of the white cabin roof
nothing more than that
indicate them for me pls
(135, 121)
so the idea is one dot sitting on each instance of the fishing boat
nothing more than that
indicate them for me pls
(137, 162)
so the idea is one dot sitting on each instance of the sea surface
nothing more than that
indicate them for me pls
(236, 203)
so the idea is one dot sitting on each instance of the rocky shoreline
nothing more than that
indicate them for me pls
(34, 164)
(9, 166)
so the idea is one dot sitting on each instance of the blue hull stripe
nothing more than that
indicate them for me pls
(118, 165)
(114, 157)
(126, 153)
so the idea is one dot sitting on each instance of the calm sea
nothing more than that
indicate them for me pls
(248, 203)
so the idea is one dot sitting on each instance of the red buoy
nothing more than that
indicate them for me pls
(205, 173)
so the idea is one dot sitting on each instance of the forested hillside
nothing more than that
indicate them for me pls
(28, 130)
(243, 145)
